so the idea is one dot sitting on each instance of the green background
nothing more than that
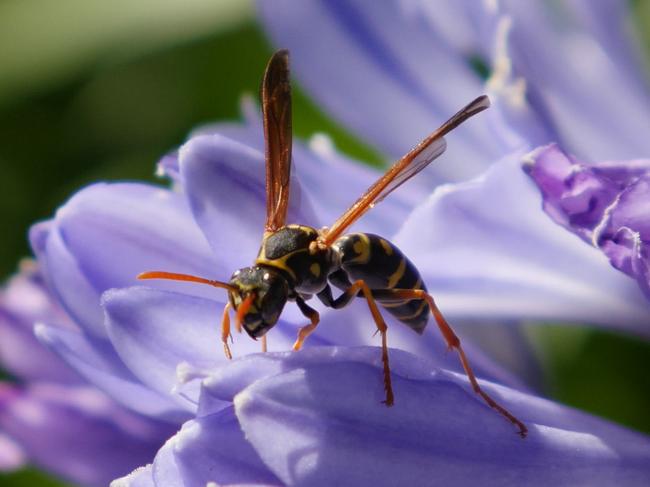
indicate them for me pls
(99, 91)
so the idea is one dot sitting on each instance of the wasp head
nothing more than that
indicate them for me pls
(259, 297)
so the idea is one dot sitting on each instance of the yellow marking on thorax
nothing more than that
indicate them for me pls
(307, 230)
(315, 269)
(397, 275)
(280, 263)
(388, 248)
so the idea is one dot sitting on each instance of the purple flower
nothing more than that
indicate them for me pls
(314, 418)
(606, 204)
(51, 417)
(485, 250)
(550, 68)
(535, 102)
(133, 354)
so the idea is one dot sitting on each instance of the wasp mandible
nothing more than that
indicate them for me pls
(296, 262)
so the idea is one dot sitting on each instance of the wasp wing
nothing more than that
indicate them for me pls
(403, 170)
(276, 114)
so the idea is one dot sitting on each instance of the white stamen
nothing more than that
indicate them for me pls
(513, 91)
(530, 158)
(186, 373)
(598, 230)
(322, 145)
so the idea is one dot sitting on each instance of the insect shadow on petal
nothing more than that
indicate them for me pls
(298, 262)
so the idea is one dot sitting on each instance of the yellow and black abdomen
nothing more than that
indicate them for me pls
(382, 266)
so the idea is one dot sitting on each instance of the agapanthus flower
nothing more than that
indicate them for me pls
(51, 417)
(536, 102)
(134, 353)
(313, 419)
(606, 204)
(549, 67)
(484, 246)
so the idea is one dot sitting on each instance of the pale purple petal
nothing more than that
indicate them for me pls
(224, 181)
(316, 418)
(24, 301)
(550, 66)
(224, 383)
(213, 449)
(353, 326)
(385, 64)
(140, 477)
(570, 62)
(78, 432)
(204, 450)
(101, 366)
(154, 331)
(144, 226)
(606, 204)
(487, 252)
(320, 171)
(326, 431)
(69, 286)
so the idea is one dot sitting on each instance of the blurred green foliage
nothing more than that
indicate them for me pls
(109, 108)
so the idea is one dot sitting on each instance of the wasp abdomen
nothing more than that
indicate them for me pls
(383, 267)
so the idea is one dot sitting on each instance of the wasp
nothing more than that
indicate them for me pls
(297, 262)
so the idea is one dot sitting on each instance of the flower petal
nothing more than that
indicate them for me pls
(23, 302)
(140, 477)
(224, 383)
(224, 181)
(154, 331)
(78, 432)
(323, 425)
(147, 227)
(331, 180)
(551, 54)
(604, 203)
(351, 60)
(100, 365)
(487, 251)
(211, 449)
(66, 280)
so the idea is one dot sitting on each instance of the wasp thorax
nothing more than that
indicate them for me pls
(269, 291)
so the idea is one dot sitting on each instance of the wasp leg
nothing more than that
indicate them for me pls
(326, 297)
(307, 330)
(452, 342)
(264, 344)
(225, 330)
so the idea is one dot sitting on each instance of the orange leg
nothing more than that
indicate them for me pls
(306, 330)
(264, 344)
(225, 330)
(326, 297)
(454, 342)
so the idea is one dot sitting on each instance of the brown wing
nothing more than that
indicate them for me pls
(276, 114)
(403, 170)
